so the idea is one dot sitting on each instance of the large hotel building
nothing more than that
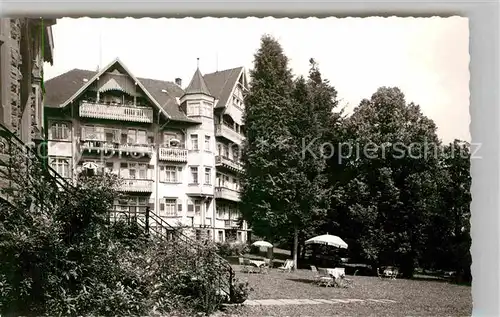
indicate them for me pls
(177, 150)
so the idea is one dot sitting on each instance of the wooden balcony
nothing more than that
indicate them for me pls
(98, 146)
(227, 194)
(107, 147)
(134, 149)
(222, 161)
(137, 185)
(116, 112)
(228, 224)
(173, 154)
(222, 130)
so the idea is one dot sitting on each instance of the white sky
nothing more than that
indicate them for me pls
(427, 58)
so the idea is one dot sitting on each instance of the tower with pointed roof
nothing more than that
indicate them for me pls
(198, 103)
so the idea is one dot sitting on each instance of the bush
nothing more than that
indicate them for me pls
(61, 256)
(232, 248)
(241, 291)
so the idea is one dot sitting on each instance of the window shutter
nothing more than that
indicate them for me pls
(179, 205)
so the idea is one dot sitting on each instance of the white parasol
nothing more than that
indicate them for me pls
(327, 239)
(261, 243)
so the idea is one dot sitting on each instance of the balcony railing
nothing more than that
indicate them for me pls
(98, 146)
(135, 148)
(137, 185)
(226, 162)
(222, 130)
(116, 112)
(228, 224)
(173, 154)
(227, 193)
(132, 149)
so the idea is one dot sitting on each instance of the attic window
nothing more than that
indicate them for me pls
(163, 90)
(85, 80)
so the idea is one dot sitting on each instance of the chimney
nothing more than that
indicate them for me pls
(178, 82)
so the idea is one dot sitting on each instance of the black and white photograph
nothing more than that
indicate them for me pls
(235, 166)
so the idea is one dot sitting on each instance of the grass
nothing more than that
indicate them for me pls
(413, 297)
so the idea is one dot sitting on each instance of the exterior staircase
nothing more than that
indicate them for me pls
(15, 156)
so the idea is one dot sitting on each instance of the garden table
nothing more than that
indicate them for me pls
(258, 263)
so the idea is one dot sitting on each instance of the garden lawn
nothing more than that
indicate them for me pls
(412, 297)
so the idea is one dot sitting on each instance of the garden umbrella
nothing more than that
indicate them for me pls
(261, 243)
(328, 239)
(90, 165)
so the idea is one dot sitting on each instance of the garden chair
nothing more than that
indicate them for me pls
(266, 267)
(395, 273)
(244, 267)
(286, 267)
(322, 277)
(249, 266)
(380, 273)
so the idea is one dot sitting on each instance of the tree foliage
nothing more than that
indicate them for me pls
(285, 188)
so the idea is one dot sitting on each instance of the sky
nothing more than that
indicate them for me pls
(427, 58)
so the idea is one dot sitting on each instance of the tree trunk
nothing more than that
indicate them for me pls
(295, 247)
(303, 251)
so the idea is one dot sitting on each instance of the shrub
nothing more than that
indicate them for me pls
(61, 256)
(241, 291)
(232, 248)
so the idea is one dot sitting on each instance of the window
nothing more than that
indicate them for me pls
(208, 176)
(207, 143)
(134, 170)
(219, 148)
(194, 175)
(168, 137)
(137, 136)
(206, 110)
(59, 131)
(209, 236)
(169, 207)
(132, 204)
(61, 166)
(193, 109)
(109, 167)
(226, 151)
(197, 207)
(37, 117)
(221, 235)
(171, 174)
(194, 142)
(236, 154)
(240, 236)
(198, 234)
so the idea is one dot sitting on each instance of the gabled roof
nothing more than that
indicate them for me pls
(221, 84)
(197, 85)
(64, 88)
